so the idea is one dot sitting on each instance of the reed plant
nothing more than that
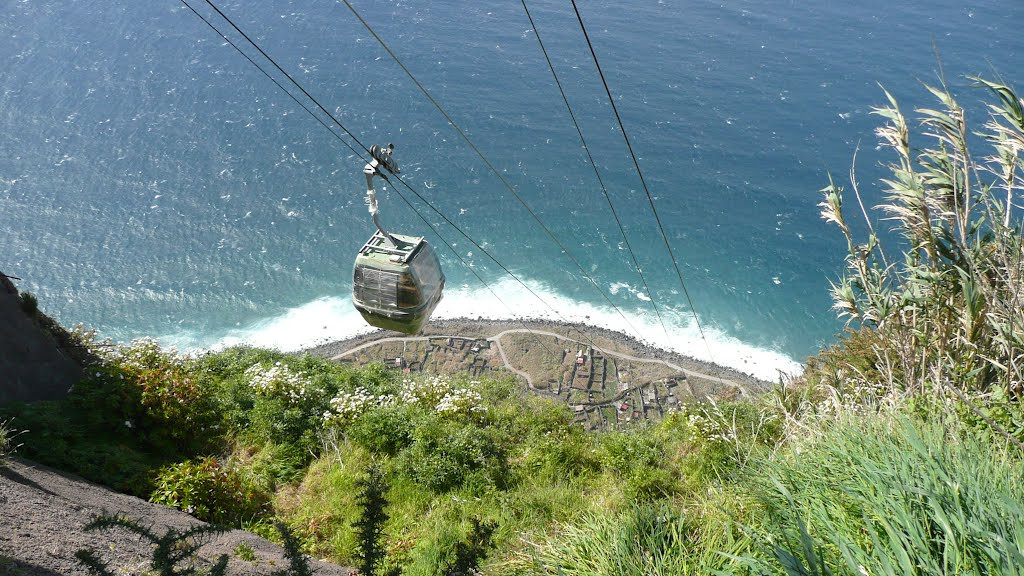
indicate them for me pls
(943, 304)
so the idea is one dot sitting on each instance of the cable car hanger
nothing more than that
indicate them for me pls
(380, 157)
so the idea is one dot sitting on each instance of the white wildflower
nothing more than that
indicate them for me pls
(278, 381)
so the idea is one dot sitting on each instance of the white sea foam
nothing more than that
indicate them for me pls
(333, 318)
(615, 287)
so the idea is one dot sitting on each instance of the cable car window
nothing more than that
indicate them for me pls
(375, 287)
(408, 293)
(427, 270)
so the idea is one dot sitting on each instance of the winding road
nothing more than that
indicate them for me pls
(529, 381)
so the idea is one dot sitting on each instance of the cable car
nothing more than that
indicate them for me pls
(396, 279)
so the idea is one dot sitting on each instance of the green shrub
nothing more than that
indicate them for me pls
(244, 552)
(286, 405)
(210, 491)
(999, 406)
(117, 464)
(105, 399)
(29, 303)
(560, 453)
(624, 451)
(445, 455)
(276, 464)
(150, 391)
(276, 421)
(637, 457)
(58, 435)
(386, 429)
(230, 362)
(714, 441)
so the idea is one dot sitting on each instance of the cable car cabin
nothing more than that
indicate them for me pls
(396, 287)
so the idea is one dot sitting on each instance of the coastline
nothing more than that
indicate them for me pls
(603, 338)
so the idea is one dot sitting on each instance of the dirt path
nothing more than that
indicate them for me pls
(496, 339)
(739, 385)
(43, 512)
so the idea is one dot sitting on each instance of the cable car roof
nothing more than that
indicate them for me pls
(380, 252)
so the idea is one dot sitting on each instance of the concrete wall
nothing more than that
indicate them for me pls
(32, 364)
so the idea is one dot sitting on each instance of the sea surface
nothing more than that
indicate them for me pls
(155, 183)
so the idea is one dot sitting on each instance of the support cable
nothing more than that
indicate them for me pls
(490, 166)
(286, 74)
(466, 265)
(650, 199)
(354, 151)
(597, 173)
(274, 80)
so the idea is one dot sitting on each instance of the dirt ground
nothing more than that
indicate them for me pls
(43, 513)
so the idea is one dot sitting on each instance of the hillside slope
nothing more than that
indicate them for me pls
(33, 364)
(43, 512)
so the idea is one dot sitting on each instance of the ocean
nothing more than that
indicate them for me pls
(155, 183)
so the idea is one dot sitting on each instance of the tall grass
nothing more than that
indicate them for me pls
(7, 439)
(654, 539)
(888, 494)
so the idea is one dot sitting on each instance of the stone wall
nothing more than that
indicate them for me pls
(33, 366)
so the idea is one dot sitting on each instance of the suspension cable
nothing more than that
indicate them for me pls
(466, 265)
(490, 166)
(597, 173)
(274, 80)
(354, 151)
(650, 199)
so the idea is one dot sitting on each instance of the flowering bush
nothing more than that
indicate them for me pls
(287, 406)
(347, 406)
(442, 395)
(140, 385)
(278, 381)
(438, 394)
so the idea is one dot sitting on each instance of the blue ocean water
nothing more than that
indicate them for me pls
(154, 183)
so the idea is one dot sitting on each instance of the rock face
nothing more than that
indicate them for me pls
(33, 365)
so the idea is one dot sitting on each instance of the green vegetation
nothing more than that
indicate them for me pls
(914, 503)
(944, 311)
(210, 491)
(898, 453)
(170, 551)
(7, 437)
(29, 303)
(244, 552)
(370, 524)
